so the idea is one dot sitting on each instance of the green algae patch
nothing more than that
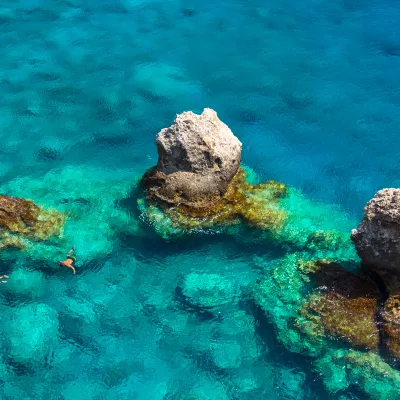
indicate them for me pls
(93, 201)
(21, 218)
(255, 204)
(313, 302)
(24, 217)
(277, 213)
(317, 228)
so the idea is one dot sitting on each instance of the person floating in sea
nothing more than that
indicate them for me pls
(3, 277)
(69, 260)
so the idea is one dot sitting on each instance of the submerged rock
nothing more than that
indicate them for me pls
(226, 354)
(209, 290)
(31, 334)
(255, 204)
(23, 217)
(366, 371)
(25, 284)
(377, 238)
(7, 241)
(316, 300)
(345, 305)
(391, 320)
(198, 156)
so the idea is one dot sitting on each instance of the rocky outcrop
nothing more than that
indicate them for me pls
(199, 183)
(20, 217)
(198, 156)
(377, 238)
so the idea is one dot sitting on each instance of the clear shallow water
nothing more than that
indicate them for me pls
(311, 90)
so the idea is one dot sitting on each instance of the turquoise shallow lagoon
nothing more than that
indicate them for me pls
(311, 89)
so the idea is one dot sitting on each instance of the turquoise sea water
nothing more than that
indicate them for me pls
(310, 88)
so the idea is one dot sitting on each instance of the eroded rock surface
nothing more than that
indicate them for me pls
(198, 156)
(377, 238)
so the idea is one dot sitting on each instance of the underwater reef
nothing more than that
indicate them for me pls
(377, 240)
(320, 310)
(22, 219)
(78, 201)
(321, 300)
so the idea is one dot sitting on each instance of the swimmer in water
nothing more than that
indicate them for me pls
(2, 277)
(69, 260)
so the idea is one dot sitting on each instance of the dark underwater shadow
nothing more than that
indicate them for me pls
(202, 313)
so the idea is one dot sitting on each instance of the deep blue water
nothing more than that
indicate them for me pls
(311, 89)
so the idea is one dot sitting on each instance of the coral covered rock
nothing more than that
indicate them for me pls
(345, 305)
(365, 370)
(391, 320)
(338, 303)
(23, 217)
(280, 294)
(377, 238)
(255, 204)
(197, 158)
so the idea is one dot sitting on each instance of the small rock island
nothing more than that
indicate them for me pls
(199, 182)
(198, 156)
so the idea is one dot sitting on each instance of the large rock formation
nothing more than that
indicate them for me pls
(377, 238)
(198, 182)
(198, 156)
(377, 241)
